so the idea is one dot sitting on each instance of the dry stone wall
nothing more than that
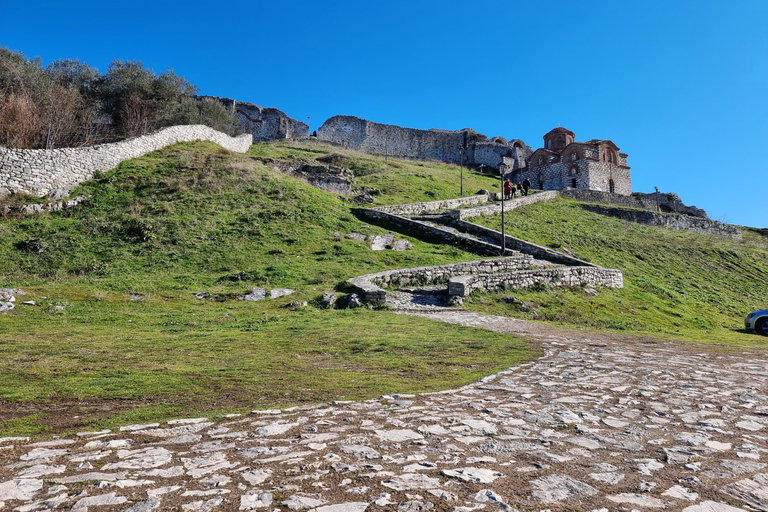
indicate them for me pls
(54, 172)
(371, 285)
(463, 285)
(432, 206)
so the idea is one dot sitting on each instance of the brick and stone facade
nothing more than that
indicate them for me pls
(564, 163)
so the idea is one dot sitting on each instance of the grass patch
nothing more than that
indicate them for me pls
(699, 287)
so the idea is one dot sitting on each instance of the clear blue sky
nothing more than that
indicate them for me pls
(681, 86)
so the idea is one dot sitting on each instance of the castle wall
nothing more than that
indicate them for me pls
(384, 139)
(55, 172)
(264, 123)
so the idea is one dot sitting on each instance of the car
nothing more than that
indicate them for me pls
(757, 321)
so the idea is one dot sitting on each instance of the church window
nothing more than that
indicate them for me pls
(574, 157)
(611, 186)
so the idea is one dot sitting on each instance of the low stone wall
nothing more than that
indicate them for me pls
(517, 244)
(55, 172)
(462, 286)
(371, 286)
(509, 204)
(432, 206)
(423, 230)
(670, 221)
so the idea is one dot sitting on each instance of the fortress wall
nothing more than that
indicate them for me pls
(384, 139)
(55, 172)
(645, 203)
(490, 154)
(264, 123)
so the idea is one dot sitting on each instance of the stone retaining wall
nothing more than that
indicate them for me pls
(371, 285)
(670, 221)
(55, 172)
(463, 285)
(53, 206)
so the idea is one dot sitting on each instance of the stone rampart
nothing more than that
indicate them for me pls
(371, 286)
(463, 285)
(55, 172)
(385, 139)
(670, 221)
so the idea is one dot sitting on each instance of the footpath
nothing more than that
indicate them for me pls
(597, 423)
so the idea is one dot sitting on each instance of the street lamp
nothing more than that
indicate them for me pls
(502, 168)
(461, 164)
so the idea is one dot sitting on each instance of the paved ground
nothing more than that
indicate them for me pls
(595, 424)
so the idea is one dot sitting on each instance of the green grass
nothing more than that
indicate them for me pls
(192, 218)
(699, 287)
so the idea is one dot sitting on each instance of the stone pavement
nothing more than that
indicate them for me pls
(595, 424)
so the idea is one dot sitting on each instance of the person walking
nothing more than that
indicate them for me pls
(507, 189)
(526, 186)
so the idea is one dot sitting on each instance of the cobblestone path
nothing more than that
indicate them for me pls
(597, 423)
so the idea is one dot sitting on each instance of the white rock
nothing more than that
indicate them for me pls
(410, 481)
(474, 475)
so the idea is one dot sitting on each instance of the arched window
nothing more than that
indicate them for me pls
(541, 160)
(574, 156)
(574, 170)
(611, 186)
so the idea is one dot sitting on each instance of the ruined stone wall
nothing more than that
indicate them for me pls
(55, 172)
(646, 203)
(384, 139)
(670, 221)
(264, 123)
(432, 206)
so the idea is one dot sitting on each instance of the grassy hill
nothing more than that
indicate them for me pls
(115, 335)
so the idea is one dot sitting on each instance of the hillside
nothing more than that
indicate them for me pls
(115, 334)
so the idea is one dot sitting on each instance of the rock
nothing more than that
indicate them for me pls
(357, 236)
(295, 305)
(255, 294)
(402, 245)
(474, 475)
(200, 295)
(455, 301)
(410, 481)
(753, 492)
(327, 301)
(558, 487)
(381, 242)
(6, 306)
(280, 292)
(351, 301)
(363, 198)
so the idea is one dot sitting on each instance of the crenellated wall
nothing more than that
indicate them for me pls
(54, 172)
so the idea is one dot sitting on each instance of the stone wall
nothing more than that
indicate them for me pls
(495, 208)
(427, 231)
(670, 221)
(264, 123)
(462, 286)
(371, 286)
(648, 202)
(384, 139)
(55, 172)
(432, 206)
(51, 206)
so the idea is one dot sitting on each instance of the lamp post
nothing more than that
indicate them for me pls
(461, 166)
(657, 198)
(502, 168)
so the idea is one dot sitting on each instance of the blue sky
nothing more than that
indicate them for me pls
(679, 85)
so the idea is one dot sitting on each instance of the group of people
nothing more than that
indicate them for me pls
(510, 189)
